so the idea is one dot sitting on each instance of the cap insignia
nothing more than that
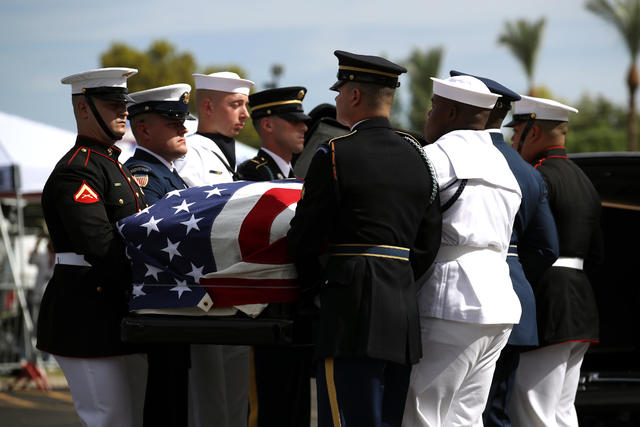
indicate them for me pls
(301, 94)
(128, 73)
(185, 98)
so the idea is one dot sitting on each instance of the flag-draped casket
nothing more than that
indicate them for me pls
(212, 249)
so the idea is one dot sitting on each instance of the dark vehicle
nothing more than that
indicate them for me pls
(609, 390)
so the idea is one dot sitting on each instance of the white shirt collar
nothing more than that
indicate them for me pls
(494, 130)
(169, 165)
(283, 165)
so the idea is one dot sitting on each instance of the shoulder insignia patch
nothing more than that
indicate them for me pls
(138, 169)
(142, 180)
(86, 194)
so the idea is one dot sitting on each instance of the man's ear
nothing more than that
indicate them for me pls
(452, 113)
(266, 124)
(534, 134)
(207, 107)
(83, 109)
(356, 97)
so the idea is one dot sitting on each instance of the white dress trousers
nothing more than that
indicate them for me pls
(449, 386)
(546, 385)
(107, 391)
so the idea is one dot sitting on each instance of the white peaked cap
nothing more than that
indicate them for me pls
(224, 81)
(101, 77)
(465, 89)
(544, 109)
(164, 93)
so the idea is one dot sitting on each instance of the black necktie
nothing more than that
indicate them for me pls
(177, 175)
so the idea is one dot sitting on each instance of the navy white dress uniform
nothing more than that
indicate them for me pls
(211, 158)
(281, 379)
(153, 173)
(547, 378)
(466, 300)
(371, 197)
(219, 375)
(285, 103)
(87, 297)
(532, 249)
(166, 397)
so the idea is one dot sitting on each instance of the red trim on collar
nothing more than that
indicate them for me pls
(548, 157)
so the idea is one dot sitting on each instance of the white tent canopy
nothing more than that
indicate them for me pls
(35, 148)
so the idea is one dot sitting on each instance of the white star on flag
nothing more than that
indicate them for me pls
(214, 192)
(137, 291)
(173, 193)
(151, 225)
(196, 273)
(172, 249)
(184, 206)
(143, 211)
(182, 287)
(152, 271)
(192, 224)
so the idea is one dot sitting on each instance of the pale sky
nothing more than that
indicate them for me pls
(42, 41)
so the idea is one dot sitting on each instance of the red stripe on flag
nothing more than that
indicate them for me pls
(256, 228)
(226, 292)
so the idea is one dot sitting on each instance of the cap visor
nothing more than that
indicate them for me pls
(294, 117)
(113, 97)
(337, 85)
(176, 115)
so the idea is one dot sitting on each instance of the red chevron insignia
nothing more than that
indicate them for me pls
(86, 194)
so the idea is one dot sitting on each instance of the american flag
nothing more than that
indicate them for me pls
(213, 246)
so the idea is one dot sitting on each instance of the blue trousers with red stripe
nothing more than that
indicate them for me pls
(361, 392)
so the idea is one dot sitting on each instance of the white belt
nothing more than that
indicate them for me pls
(577, 263)
(452, 253)
(71, 258)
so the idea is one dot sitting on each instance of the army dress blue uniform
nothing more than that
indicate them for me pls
(369, 311)
(280, 379)
(262, 167)
(155, 178)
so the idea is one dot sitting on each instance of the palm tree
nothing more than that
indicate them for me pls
(422, 65)
(523, 39)
(624, 15)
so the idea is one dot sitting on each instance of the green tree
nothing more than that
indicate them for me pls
(422, 65)
(599, 126)
(160, 65)
(624, 15)
(523, 39)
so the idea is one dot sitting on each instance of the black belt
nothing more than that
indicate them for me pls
(382, 251)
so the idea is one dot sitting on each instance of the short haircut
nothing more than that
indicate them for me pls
(375, 95)
(553, 127)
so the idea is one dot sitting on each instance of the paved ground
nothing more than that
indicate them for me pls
(30, 407)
